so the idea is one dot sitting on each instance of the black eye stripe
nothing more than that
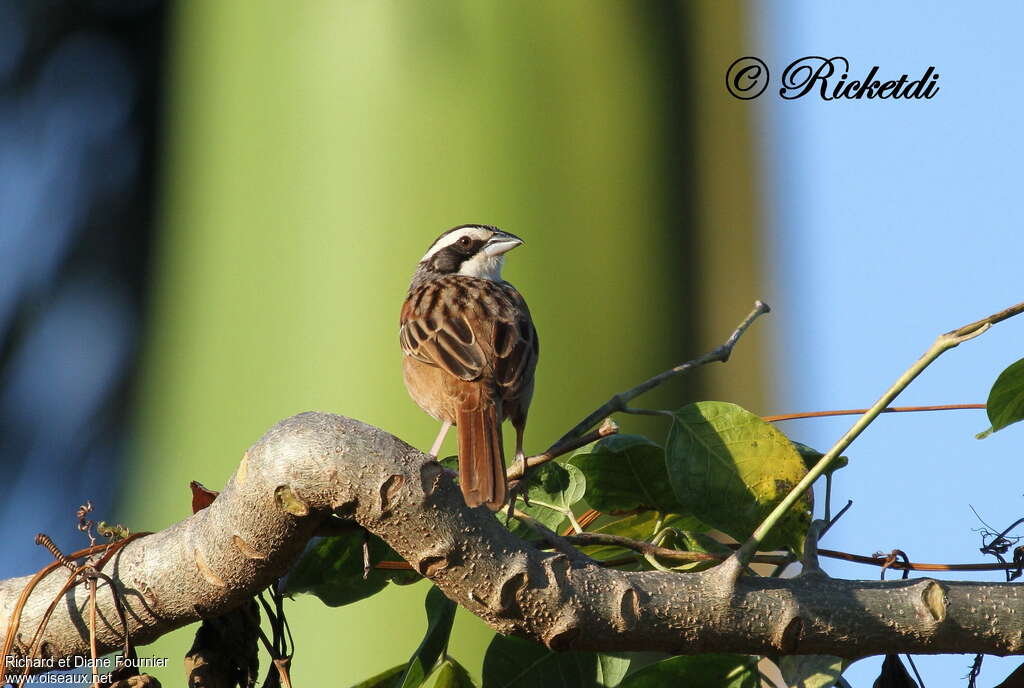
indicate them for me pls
(450, 258)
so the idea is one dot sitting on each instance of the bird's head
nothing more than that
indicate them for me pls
(470, 250)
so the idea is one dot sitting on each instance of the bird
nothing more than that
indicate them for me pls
(470, 351)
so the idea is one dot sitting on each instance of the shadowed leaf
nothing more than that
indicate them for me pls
(894, 674)
(332, 569)
(627, 472)
(382, 680)
(513, 662)
(720, 671)
(440, 616)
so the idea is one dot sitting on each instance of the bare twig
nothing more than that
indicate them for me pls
(619, 401)
(649, 549)
(93, 648)
(832, 521)
(943, 343)
(878, 560)
(608, 427)
(855, 412)
(553, 539)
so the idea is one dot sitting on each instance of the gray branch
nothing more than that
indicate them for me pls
(313, 464)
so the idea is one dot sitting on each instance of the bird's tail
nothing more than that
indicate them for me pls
(481, 456)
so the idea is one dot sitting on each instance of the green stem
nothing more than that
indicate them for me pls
(942, 344)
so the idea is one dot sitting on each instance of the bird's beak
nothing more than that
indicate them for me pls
(500, 243)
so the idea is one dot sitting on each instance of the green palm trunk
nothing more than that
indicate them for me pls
(316, 149)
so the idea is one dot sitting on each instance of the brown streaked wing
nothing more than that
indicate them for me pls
(515, 346)
(446, 341)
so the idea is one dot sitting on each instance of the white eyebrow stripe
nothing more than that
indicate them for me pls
(450, 238)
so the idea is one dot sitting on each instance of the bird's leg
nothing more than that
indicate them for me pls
(518, 486)
(520, 455)
(445, 426)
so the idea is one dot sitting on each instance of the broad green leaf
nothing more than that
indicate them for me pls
(448, 674)
(720, 671)
(551, 485)
(440, 616)
(811, 671)
(811, 456)
(382, 680)
(513, 662)
(332, 569)
(1005, 404)
(730, 468)
(627, 472)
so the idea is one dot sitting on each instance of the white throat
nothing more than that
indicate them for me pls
(483, 266)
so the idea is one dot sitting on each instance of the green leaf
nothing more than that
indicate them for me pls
(811, 456)
(448, 674)
(720, 671)
(440, 616)
(811, 671)
(553, 489)
(1005, 404)
(627, 472)
(641, 527)
(513, 662)
(382, 680)
(332, 569)
(730, 469)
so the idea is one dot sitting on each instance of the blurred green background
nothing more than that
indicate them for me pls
(315, 150)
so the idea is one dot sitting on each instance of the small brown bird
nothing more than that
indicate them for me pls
(470, 352)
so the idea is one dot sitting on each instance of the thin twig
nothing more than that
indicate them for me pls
(832, 521)
(553, 539)
(608, 427)
(619, 401)
(649, 549)
(920, 681)
(912, 566)
(94, 649)
(943, 343)
(855, 412)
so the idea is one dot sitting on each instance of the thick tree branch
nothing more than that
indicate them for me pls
(310, 465)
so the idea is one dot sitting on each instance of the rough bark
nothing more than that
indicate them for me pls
(313, 464)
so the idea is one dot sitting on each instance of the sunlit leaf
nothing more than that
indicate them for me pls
(720, 671)
(1005, 404)
(811, 671)
(730, 469)
(332, 569)
(440, 616)
(627, 472)
(513, 662)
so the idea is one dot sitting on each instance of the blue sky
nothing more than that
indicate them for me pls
(890, 222)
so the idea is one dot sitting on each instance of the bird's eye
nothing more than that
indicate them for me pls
(464, 242)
